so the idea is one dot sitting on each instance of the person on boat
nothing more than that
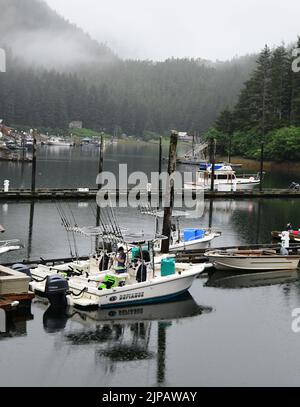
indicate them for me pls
(121, 261)
(289, 227)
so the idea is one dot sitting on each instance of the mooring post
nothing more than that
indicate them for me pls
(100, 170)
(167, 223)
(30, 230)
(261, 176)
(33, 174)
(159, 169)
(212, 153)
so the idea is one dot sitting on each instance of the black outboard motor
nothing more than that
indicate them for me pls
(56, 291)
(22, 268)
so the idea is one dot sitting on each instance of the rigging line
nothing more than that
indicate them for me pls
(73, 231)
(65, 227)
(117, 223)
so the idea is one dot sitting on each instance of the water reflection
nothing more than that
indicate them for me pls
(124, 334)
(224, 279)
(14, 323)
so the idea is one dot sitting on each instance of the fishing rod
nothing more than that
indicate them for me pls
(64, 224)
(73, 231)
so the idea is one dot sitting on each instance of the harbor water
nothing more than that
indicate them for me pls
(230, 330)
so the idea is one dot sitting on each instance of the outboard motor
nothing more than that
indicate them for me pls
(22, 268)
(56, 291)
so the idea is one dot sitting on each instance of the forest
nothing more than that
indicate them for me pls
(267, 111)
(56, 74)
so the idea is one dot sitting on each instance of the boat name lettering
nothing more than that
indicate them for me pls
(135, 311)
(131, 296)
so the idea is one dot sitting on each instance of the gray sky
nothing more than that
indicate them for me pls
(158, 29)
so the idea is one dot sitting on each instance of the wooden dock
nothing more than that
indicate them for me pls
(14, 289)
(7, 301)
(86, 194)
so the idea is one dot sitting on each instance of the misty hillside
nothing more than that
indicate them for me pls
(38, 35)
(135, 96)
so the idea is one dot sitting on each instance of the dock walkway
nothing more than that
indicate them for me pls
(85, 193)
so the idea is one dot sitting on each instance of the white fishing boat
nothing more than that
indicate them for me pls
(188, 238)
(139, 282)
(57, 141)
(191, 239)
(225, 179)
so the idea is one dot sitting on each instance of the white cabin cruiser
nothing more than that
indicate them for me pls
(225, 179)
(57, 141)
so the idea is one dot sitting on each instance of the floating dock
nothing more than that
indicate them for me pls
(86, 193)
(13, 289)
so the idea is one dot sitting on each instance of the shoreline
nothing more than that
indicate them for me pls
(276, 166)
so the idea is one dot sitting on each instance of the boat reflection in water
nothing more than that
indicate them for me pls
(14, 323)
(225, 279)
(136, 333)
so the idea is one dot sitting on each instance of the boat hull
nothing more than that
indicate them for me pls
(260, 263)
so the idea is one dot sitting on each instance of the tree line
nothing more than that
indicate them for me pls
(135, 96)
(267, 110)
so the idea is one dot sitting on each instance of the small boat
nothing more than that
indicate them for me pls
(254, 259)
(9, 245)
(188, 239)
(57, 141)
(140, 282)
(191, 239)
(225, 179)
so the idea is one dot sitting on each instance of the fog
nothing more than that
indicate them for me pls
(210, 29)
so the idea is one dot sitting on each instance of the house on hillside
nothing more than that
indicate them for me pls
(183, 136)
(76, 124)
(4, 130)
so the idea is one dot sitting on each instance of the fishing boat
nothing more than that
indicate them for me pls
(254, 260)
(140, 282)
(191, 239)
(225, 179)
(188, 238)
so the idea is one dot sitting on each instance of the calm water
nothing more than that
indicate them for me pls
(57, 167)
(229, 331)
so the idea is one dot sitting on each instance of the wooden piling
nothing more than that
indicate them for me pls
(167, 223)
(33, 174)
(212, 155)
(261, 166)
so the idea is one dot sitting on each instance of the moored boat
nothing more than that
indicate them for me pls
(139, 282)
(225, 179)
(256, 260)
